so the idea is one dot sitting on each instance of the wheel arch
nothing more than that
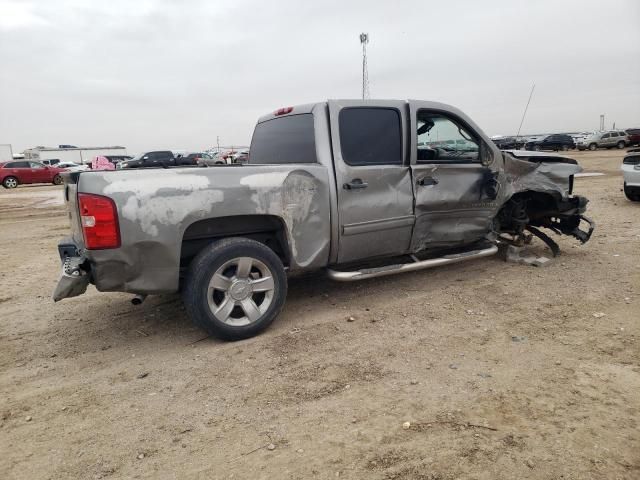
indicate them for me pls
(267, 229)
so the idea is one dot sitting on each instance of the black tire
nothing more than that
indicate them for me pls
(57, 180)
(201, 272)
(537, 148)
(593, 146)
(632, 194)
(620, 145)
(10, 182)
(565, 148)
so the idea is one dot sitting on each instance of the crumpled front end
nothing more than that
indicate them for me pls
(539, 193)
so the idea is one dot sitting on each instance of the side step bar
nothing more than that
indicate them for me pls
(409, 267)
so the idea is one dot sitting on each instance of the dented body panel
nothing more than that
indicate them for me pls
(329, 212)
(155, 207)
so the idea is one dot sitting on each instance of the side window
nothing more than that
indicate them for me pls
(370, 136)
(442, 139)
(614, 134)
(289, 139)
(606, 135)
(35, 165)
(20, 165)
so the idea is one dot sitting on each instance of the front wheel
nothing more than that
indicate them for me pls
(10, 182)
(537, 148)
(593, 146)
(632, 194)
(565, 148)
(57, 180)
(620, 145)
(235, 288)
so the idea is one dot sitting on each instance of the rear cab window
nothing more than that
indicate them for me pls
(288, 139)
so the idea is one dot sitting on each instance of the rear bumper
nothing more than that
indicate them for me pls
(75, 275)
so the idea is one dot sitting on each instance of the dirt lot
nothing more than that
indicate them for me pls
(502, 370)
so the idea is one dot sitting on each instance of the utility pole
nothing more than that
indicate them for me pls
(364, 39)
(602, 122)
(218, 143)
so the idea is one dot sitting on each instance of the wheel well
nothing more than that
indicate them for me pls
(524, 208)
(266, 229)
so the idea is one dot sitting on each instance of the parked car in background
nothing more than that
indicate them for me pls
(50, 161)
(551, 142)
(162, 158)
(240, 157)
(610, 139)
(211, 159)
(116, 159)
(510, 143)
(189, 158)
(631, 174)
(72, 166)
(13, 174)
(633, 135)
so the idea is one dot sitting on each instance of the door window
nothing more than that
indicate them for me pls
(442, 139)
(36, 165)
(606, 135)
(370, 136)
(18, 165)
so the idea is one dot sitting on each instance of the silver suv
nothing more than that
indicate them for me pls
(610, 139)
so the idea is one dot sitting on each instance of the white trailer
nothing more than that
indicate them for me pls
(82, 155)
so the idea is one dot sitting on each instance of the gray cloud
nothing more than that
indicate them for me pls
(155, 74)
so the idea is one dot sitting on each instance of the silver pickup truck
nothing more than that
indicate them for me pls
(360, 189)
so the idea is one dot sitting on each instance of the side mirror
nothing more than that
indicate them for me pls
(486, 157)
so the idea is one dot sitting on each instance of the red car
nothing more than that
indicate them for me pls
(14, 173)
(634, 136)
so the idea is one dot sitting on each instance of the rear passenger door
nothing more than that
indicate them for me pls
(375, 195)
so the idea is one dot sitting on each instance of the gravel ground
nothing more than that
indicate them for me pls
(501, 370)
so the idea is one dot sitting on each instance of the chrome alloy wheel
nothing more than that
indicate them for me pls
(240, 291)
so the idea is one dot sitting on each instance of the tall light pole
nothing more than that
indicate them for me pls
(364, 39)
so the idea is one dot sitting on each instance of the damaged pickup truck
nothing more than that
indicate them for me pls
(360, 189)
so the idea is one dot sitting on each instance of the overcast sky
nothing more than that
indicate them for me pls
(165, 74)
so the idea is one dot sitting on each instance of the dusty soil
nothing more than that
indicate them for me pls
(502, 370)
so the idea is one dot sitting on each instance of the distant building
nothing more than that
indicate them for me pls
(70, 153)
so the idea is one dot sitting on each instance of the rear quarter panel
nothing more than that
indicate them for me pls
(155, 207)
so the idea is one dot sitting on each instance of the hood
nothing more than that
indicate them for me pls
(539, 157)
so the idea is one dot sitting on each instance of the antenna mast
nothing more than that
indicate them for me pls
(364, 39)
(525, 111)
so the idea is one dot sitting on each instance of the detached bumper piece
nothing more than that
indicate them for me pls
(74, 278)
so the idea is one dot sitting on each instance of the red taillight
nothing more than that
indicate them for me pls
(283, 111)
(99, 219)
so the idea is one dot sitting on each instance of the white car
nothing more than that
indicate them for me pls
(73, 167)
(631, 173)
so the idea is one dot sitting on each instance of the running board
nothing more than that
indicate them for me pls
(410, 267)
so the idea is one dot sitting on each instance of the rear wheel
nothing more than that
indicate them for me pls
(10, 182)
(57, 180)
(632, 194)
(593, 146)
(235, 288)
(620, 144)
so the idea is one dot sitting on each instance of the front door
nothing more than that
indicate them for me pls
(452, 205)
(375, 196)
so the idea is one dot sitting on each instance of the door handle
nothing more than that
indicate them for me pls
(355, 184)
(426, 181)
